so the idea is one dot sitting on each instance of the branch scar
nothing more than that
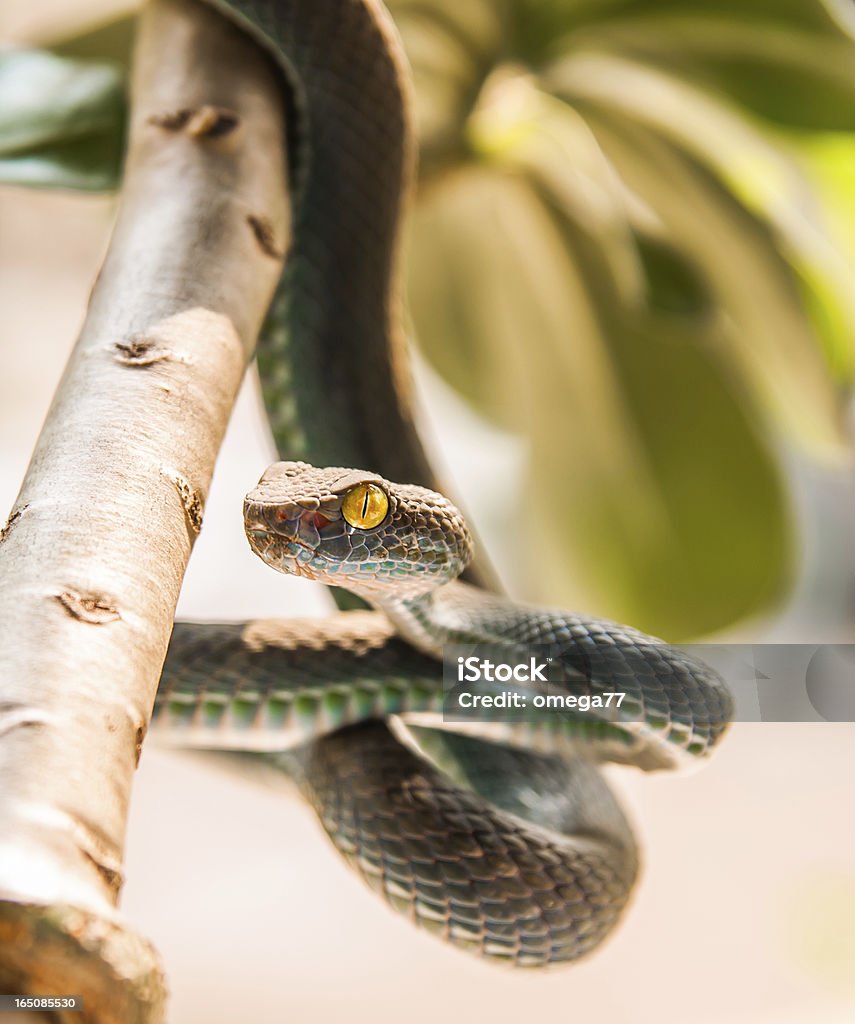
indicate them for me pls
(191, 501)
(92, 608)
(265, 236)
(140, 350)
(11, 521)
(205, 122)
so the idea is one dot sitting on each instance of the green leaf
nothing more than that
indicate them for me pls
(762, 172)
(61, 121)
(655, 497)
(541, 24)
(494, 289)
(624, 259)
(674, 286)
(522, 131)
(771, 344)
(111, 40)
(706, 540)
(797, 74)
(829, 161)
(85, 165)
(451, 47)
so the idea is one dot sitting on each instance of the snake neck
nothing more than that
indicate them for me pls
(449, 615)
(332, 355)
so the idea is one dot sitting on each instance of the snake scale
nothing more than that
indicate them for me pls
(502, 838)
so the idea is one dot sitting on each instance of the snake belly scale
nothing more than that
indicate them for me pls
(504, 838)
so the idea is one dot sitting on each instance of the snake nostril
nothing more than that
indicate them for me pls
(253, 516)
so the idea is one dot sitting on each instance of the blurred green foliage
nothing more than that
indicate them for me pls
(61, 121)
(627, 248)
(632, 245)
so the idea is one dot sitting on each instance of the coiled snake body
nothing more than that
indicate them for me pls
(508, 843)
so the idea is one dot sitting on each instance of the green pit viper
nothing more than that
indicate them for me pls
(502, 838)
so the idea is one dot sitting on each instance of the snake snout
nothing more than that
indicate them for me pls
(273, 517)
(255, 515)
(283, 533)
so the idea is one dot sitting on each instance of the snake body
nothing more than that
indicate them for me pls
(507, 842)
(333, 356)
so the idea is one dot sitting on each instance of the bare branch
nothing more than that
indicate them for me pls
(92, 556)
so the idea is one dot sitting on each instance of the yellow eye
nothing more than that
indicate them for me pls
(365, 506)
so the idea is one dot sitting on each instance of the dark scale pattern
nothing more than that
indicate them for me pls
(466, 870)
(335, 325)
(679, 698)
(269, 686)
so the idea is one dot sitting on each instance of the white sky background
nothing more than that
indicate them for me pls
(745, 909)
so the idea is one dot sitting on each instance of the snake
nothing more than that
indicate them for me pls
(497, 833)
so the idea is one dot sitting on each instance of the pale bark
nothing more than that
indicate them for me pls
(92, 558)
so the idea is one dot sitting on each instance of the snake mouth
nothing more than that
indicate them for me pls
(262, 532)
(280, 544)
(289, 539)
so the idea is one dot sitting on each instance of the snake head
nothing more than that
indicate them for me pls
(350, 528)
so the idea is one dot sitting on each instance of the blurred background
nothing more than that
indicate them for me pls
(630, 275)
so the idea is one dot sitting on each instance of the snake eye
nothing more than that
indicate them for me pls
(365, 506)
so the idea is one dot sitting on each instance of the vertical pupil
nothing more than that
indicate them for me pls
(364, 506)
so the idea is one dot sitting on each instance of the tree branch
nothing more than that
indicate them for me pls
(93, 554)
